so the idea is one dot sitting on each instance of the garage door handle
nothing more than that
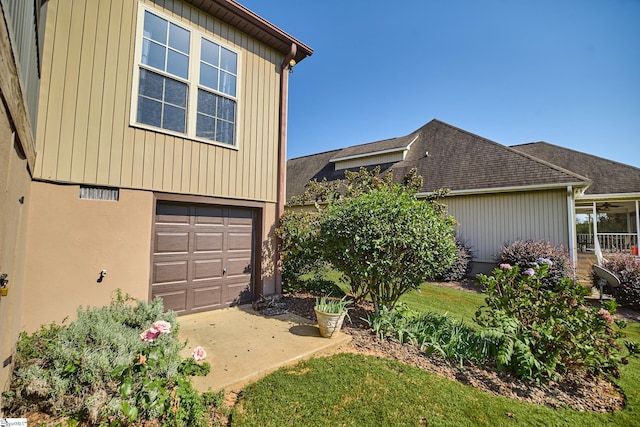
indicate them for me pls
(224, 271)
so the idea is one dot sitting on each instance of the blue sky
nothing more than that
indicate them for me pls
(564, 71)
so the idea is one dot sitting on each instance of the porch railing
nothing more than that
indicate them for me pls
(609, 242)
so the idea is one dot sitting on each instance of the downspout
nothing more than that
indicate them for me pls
(637, 225)
(287, 63)
(571, 217)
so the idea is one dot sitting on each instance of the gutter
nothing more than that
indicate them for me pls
(511, 189)
(286, 67)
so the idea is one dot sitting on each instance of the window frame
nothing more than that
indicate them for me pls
(197, 34)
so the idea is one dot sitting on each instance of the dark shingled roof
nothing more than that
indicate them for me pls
(608, 177)
(457, 160)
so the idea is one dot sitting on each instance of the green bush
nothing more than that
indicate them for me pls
(545, 333)
(386, 242)
(627, 268)
(300, 249)
(117, 363)
(525, 254)
(460, 267)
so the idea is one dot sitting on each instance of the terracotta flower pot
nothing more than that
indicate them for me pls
(329, 323)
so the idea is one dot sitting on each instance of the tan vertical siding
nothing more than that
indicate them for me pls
(489, 221)
(85, 136)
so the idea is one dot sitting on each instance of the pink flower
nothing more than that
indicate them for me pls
(198, 354)
(149, 335)
(162, 327)
(608, 317)
(505, 266)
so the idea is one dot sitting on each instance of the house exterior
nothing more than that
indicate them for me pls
(151, 161)
(615, 189)
(21, 31)
(498, 194)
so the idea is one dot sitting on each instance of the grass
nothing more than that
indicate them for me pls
(357, 390)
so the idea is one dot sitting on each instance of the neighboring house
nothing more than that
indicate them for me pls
(155, 161)
(21, 30)
(615, 190)
(498, 194)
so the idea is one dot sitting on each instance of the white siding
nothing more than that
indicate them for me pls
(371, 160)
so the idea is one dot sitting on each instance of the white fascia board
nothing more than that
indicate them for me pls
(507, 189)
(373, 153)
(605, 197)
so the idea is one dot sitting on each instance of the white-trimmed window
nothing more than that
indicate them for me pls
(184, 82)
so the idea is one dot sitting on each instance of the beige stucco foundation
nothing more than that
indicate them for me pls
(71, 240)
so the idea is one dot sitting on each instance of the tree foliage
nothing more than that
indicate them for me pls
(385, 241)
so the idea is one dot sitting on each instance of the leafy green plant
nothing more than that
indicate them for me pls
(325, 304)
(627, 268)
(461, 264)
(106, 367)
(386, 242)
(433, 334)
(543, 333)
(526, 253)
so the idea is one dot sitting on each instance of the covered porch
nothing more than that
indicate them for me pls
(614, 224)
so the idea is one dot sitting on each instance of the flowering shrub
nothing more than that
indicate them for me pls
(527, 254)
(547, 333)
(627, 268)
(102, 369)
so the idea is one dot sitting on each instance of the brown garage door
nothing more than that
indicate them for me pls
(202, 256)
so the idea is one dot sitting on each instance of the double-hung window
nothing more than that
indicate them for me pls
(185, 83)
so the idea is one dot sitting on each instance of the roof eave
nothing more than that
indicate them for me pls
(238, 16)
(511, 189)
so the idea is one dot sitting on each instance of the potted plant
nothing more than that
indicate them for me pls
(330, 314)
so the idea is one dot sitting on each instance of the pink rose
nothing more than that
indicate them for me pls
(149, 335)
(198, 354)
(162, 327)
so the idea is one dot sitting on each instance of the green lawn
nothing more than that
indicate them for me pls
(356, 390)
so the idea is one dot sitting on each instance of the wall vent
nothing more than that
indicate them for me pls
(99, 193)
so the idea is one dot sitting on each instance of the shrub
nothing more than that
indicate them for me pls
(546, 333)
(116, 363)
(461, 264)
(385, 242)
(300, 249)
(627, 268)
(525, 254)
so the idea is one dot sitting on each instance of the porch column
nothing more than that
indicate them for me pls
(571, 210)
(637, 225)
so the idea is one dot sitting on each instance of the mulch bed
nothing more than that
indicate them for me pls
(581, 393)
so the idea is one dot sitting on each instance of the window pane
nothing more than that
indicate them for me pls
(208, 76)
(227, 83)
(153, 54)
(179, 38)
(178, 64)
(174, 118)
(228, 61)
(205, 127)
(175, 93)
(206, 103)
(155, 27)
(210, 52)
(149, 111)
(226, 109)
(224, 132)
(150, 85)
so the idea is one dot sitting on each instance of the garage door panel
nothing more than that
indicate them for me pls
(209, 215)
(167, 242)
(172, 213)
(175, 300)
(239, 241)
(170, 271)
(237, 293)
(208, 297)
(208, 242)
(238, 266)
(207, 269)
